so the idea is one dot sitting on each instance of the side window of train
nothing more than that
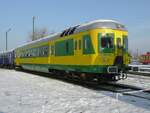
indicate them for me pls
(20, 54)
(99, 42)
(75, 45)
(85, 42)
(118, 42)
(67, 47)
(79, 44)
(26, 53)
(29, 52)
(40, 51)
(34, 52)
(125, 42)
(46, 50)
(43, 51)
(52, 50)
(23, 53)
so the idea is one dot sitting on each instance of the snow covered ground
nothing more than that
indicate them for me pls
(22, 92)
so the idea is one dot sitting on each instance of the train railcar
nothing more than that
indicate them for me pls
(145, 58)
(7, 59)
(97, 49)
(1, 59)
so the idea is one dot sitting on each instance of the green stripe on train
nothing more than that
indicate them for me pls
(46, 67)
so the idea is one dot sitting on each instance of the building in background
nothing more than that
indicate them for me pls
(145, 58)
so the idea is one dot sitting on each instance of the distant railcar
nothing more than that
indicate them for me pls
(97, 49)
(1, 60)
(145, 58)
(7, 59)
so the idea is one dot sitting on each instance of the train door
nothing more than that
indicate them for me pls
(119, 47)
(125, 49)
(78, 50)
(77, 47)
(119, 51)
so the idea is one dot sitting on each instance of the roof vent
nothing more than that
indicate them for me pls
(68, 31)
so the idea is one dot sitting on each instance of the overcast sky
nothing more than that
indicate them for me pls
(56, 15)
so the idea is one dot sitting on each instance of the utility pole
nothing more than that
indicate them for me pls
(7, 37)
(33, 26)
(137, 53)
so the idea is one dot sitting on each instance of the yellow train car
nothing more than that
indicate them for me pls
(94, 49)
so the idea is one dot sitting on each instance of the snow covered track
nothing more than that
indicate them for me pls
(28, 93)
(143, 70)
(141, 73)
(123, 89)
(130, 90)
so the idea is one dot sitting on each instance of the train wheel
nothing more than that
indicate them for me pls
(82, 76)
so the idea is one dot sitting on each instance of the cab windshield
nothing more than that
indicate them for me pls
(107, 42)
(119, 43)
(125, 43)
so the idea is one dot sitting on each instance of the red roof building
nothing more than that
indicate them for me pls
(145, 58)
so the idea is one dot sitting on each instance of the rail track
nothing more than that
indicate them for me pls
(140, 73)
(122, 89)
(115, 87)
(130, 90)
(143, 70)
(138, 76)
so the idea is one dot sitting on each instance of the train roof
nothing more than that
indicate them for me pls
(5, 52)
(112, 24)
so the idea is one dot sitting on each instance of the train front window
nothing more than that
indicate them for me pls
(118, 42)
(107, 42)
(125, 43)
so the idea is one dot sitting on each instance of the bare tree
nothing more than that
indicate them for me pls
(39, 33)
